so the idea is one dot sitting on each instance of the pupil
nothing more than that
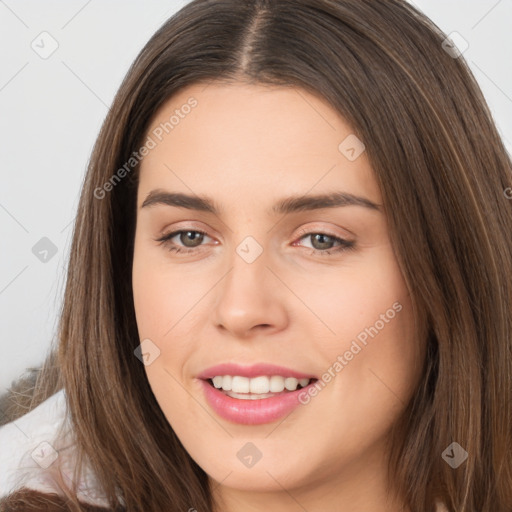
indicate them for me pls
(323, 245)
(191, 234)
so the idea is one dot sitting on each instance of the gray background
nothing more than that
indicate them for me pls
(51, 110)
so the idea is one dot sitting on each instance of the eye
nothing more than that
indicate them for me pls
(190, 238)
(322, 243)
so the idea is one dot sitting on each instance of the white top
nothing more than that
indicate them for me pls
(30, 445)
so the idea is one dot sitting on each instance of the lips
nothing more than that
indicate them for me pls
(250, 408)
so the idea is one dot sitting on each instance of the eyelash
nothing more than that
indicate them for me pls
(345, 245)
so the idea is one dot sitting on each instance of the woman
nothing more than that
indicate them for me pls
(289, 284)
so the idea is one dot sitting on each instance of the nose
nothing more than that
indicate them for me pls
(250, 299)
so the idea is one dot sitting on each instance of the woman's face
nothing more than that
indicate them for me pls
(281, 276)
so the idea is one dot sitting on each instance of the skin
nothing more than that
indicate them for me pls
(248, 146)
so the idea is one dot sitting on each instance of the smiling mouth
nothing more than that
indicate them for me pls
(257, 388)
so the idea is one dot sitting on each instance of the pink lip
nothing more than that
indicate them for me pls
(252, 412)
(255, 370)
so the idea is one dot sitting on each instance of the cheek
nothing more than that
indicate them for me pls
(162, 293)
(155, 298)
(370, 294)
(168, 311)
(369, 313)
(161, 300)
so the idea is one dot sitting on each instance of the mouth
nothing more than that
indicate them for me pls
(265, 394)
(254, 394)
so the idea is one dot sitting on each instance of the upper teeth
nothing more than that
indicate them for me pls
(263, 384)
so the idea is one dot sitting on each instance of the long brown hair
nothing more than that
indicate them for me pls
(442, 169)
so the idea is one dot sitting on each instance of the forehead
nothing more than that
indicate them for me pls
(242, 138)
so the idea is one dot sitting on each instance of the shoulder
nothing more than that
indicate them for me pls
(31, 436)
(35, 445)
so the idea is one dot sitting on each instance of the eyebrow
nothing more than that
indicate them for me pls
(283, 206)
